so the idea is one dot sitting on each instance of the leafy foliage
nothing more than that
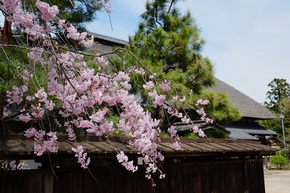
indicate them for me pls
(278, 101)
(11, 60)
(220, 107)
(279, 161)
(279, 89)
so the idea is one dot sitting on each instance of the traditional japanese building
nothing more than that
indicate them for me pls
(252, 112)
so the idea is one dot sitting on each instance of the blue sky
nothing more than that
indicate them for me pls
(248, 41)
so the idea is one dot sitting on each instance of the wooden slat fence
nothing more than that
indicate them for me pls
(215, 176)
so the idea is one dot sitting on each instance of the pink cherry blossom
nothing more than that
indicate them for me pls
(39, 135)
(101, 60)
(35, 32)
(39, 149)
(35, 54)
(48, 12)
(182, 99)
(202, 102)
(89, 42)
(149, 85)
(37, 111)
(201, 133)
(140, 71)
(25, 117)
(82, 156)
(51, 143)
(30, 132)
(11, 7)
(172, 131)
(159, 100)
(24, 19)
(123, 159)
(174, 98)
(16, 94)
(62, 23)
(176, 145)
(41, 94)
(108, 8)
(70, 131)
(185, 119)
(165, 85)
(26, 76)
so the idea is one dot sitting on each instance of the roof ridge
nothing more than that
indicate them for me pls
(108, 38)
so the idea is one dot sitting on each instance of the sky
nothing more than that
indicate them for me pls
(248, 41)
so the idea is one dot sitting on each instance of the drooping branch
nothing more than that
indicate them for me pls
(56, 78)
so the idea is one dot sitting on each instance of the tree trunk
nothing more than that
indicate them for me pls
(161, 115)
(6, 32)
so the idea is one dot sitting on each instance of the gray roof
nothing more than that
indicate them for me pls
(249, 134)
(240, 134)
(105, 44)
(246, 105)
(108, 38)
(249, 131)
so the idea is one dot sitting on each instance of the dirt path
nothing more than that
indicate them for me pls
(277, 181)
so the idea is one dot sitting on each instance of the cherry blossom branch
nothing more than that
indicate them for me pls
(85, 98)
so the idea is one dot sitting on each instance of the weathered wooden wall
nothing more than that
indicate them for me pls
(210, 176)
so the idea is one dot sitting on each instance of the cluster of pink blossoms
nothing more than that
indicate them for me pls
(15, 13)
(85, 97)
(82, 156)
(123, 159)
(44, 142)
(48, 12)
(201, 111)
(73, 34)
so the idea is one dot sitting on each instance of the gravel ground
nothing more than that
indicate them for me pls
(277, 181)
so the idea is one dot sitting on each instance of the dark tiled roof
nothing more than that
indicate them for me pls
(190, 147)
(248, 131)
(108, 38)
(236, 133)
(240, 134)
(246, 105)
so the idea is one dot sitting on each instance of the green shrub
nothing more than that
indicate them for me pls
(279, 161)
(285, 153)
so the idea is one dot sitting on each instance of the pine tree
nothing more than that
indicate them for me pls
(168, 43)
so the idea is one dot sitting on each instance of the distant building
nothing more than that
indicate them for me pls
(252, 112)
